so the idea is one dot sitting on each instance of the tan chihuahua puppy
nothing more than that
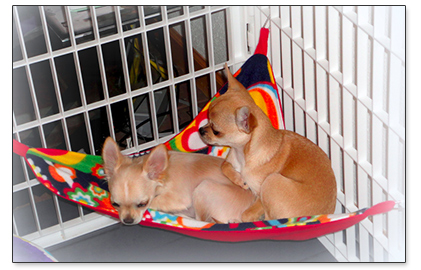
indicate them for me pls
(291, 175)
(186, 184)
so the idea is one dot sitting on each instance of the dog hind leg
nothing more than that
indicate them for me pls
(223, 203)
(254, 212)
(283, 197)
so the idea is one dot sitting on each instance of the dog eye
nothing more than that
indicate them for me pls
(142, 204)
(115, 204)
(216, 133)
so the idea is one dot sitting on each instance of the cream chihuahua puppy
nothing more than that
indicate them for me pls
(186, 184)
(291, 175)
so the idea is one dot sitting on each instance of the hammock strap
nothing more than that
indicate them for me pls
(19, 148)
(262, 46)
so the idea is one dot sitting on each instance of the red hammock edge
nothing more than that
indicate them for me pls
(276, 233)
(299, 233)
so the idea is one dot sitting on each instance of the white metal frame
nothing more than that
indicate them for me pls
(93, 221)
(341, 72)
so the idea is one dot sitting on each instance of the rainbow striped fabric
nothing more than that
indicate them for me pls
(257, 76)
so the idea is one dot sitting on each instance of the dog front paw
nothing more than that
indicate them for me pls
(235, 177)
(234, 221)
(254, 212)
(248, 217)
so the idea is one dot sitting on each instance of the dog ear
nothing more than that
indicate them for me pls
(157, 162)
(245, 120)
(233, 83)
(111, 156)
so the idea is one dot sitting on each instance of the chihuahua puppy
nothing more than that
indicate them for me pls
(186, 184)
(291, 175)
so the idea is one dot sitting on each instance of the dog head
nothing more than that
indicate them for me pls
(231, 120)
(132, 182)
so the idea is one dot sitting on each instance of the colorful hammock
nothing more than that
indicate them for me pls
(79, 177)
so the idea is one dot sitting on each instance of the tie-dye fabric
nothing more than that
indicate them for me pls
(80, 178)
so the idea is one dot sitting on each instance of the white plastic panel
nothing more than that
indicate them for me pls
(341, 71)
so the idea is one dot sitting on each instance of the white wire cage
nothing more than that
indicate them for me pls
(139, 74)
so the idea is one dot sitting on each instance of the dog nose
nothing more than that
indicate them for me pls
(128, 220)
(202, 131)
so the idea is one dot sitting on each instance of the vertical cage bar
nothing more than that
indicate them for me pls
(174, 111)
(362, 190)
(377, 145)
(286, 52)
(275, 40)
(123, 54)
(311, 129)
(211, 53)
(230, 33)
(298, 75)
(33, 93)
(45, 30)
(381, 23)
(348, 181)
(100, 54)
(58, 210)
(337, 166)
(364, 245)
(285, 17)
(254, 29)
(334, 41)
(84, 103)
(364, 68)
(146, 51)
(209, 40)
(378, 80)
(167, 43)
(52, 68)
(75, 56)
(309, 85)
(237, 42)
(308, 29)
(299, 120)
(322, 84)
(288, 112)
(396, 104)
(34, 210)
(349, 123)
(154, 118)
(323, 141)
(14, 226)
(363, 134)
(296, 21)
(321, 30)
(348, 53)
(351, 245)
(56, 86)
(335, 103)
(340, 237)
(190, 58)
(95, 27)
(397, 36)
(20, 34)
